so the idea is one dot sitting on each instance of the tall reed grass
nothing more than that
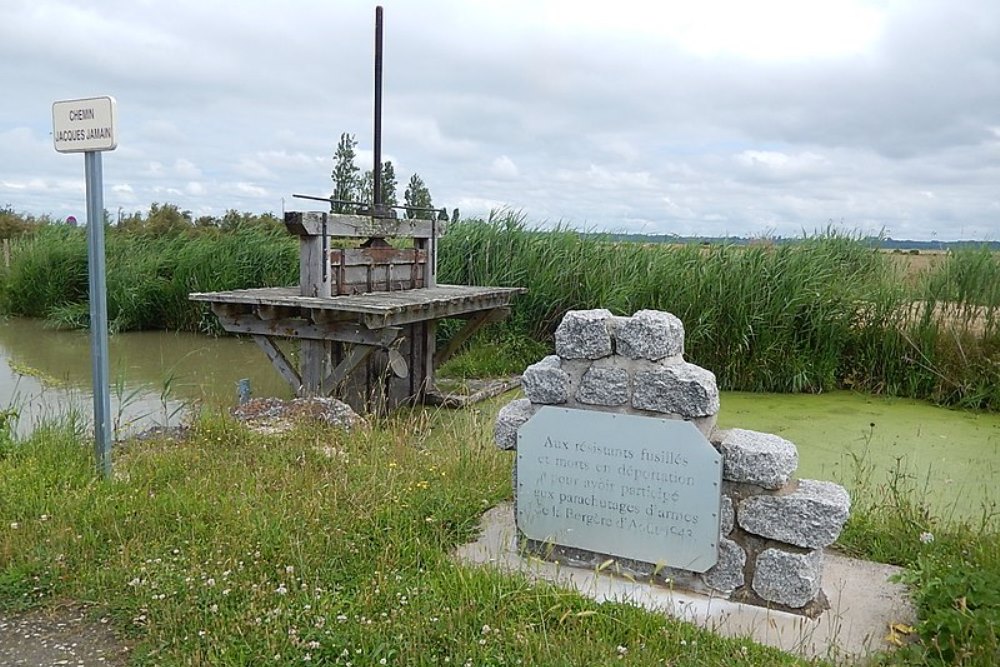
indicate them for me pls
(149, 276)
(827, 312)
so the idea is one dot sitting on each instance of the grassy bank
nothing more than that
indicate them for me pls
(331, 548)
(318, 547)
(829, 311)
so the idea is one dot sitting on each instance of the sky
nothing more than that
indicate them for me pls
(708, 118)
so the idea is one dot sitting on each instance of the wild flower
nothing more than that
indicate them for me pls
(926, 538)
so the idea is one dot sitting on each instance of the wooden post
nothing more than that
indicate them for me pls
(6, 253)
(314, 281)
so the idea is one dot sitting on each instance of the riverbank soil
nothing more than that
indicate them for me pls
(64, 635)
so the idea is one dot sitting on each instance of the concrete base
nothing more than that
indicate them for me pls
(862, 602)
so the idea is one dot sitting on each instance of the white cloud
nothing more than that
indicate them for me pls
(504, 168)
(688, 117)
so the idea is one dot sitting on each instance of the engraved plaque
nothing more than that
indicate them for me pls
(634, 487)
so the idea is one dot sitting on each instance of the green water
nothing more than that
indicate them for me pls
(155, 376)
(951, 457)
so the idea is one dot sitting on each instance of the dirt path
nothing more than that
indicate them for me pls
(60, 636)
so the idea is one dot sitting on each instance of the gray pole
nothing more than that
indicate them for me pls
(98, 310)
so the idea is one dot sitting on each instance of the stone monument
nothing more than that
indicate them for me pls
(620, 467)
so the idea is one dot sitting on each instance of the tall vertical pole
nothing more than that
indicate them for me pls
(98, 310)
(377, 143)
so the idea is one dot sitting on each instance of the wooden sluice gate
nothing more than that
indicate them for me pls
(366, 316)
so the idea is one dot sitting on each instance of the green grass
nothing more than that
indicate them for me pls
(232, 549)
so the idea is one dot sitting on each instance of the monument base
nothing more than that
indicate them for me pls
(863, 603)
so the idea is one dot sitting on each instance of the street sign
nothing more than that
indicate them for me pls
(88, 126)
(84, 125)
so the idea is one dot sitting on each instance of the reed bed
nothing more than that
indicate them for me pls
(829, 311)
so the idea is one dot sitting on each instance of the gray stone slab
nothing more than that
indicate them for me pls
(681, 389)
(727, 574)
(509, 419)
(758, 458)
(728, 515)
(811, 517)
(649, 334)
(604, 386)
(584, 334)
(545, 382)
(792, 579)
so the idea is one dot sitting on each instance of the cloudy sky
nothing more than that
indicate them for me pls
(711, 118)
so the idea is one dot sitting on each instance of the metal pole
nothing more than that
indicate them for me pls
(377, 169)
(98, 310)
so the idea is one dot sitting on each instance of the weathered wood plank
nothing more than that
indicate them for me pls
(279, 361)
(339, 374)
(346, 332)
(380, 308)
(310, 223)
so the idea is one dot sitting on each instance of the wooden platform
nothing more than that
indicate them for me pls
(375, 310)
(375, 350)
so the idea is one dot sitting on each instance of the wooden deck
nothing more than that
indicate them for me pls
(375, 310)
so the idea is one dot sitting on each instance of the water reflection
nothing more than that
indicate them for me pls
(45, 373)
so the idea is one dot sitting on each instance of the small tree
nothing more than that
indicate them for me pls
(389, 185)
(417, 196)
(346, 182)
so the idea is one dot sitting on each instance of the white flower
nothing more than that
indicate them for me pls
(485, 631)
(289, 569)
(14, 525)
(926, 538)
(281, 590)
(622, 650)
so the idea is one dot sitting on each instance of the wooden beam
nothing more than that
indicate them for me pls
(339, 374)
(472, 325)
(279, 361)
(310, 223)
(346, 332)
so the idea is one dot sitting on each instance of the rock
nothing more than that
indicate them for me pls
(679, 389)
(509, 419)
(727, 574)
(811, 517)
(728, 516)
(545, 382)
(649, 334)
(603, 386)
(584, 334)
(788, 578)
(273, 415)
(758, 458)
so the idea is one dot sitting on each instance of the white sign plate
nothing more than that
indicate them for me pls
(89, 124)
(633, 487)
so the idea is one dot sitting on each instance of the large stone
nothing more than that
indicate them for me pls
(757, 458)
(509, 419)
(811, 517)
(727, 574)
(603, 386)
(786, 578)
(545, 382)
(679, 389)
(649, 334)
(728, 516)
(584, 334)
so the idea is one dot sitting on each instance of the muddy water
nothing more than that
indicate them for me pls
(155, 375)
(952, 456)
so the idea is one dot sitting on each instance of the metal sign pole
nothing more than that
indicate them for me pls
(98, 310)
